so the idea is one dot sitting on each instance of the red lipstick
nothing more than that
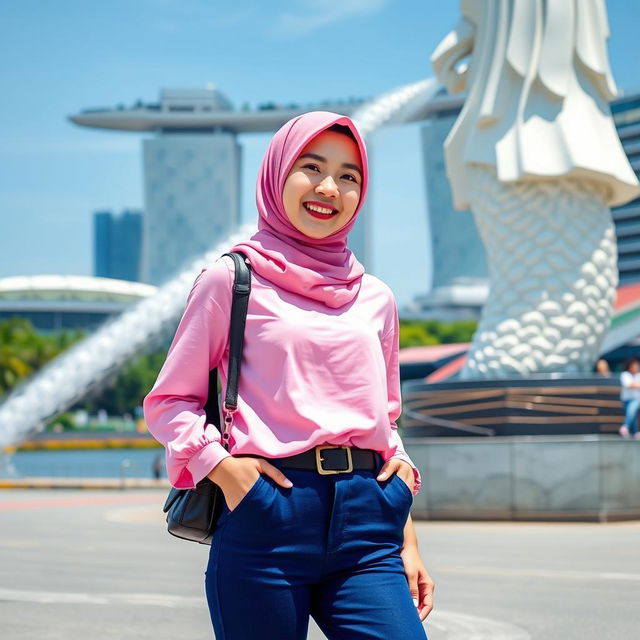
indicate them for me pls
(317, 214)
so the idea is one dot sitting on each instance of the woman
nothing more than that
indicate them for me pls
(317, 483)
(630, 396)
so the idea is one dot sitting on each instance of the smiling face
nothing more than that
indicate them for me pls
(322, 191)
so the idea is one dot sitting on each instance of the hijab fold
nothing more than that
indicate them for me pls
(322, 269)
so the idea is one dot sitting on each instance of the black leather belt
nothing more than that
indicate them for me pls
(329, 459)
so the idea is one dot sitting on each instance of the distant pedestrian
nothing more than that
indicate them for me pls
(630, 396)
(157, 466)
(602, 368)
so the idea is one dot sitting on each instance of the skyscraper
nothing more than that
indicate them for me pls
(192, 198)
(457, 251)
(459, 281)
(626, 115)
(117, 244)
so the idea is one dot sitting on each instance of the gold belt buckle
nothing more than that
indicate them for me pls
(320, 459)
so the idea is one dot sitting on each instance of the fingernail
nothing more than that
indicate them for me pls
(415, 602)
(288, 483)
(381, 477)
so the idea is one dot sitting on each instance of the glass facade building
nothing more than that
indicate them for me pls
(459, 277)
(456, 249)
(192, 198)
(626, 115)
(117, 242)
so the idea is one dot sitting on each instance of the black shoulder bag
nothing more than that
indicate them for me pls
(192, 513)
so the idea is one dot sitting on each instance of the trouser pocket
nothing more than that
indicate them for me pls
(245, 503)
(375, 512)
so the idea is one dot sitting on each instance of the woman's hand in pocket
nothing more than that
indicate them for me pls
(401, 468)
(236, 476)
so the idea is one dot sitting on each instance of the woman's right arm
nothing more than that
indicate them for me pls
(173, 409)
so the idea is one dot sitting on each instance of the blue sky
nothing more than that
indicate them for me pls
(60, 57)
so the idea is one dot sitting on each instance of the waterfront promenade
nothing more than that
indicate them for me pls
(100, 565)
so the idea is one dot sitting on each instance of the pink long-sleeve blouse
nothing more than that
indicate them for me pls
(310, 375)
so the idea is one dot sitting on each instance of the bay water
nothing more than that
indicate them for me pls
(91, 463)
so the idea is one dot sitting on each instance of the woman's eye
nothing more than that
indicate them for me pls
(314, 167)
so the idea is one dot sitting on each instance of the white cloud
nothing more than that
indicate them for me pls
(307, 16)
(169, 16)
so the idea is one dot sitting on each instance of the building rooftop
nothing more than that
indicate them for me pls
(208, 110)
(199, 109)
(80, 288)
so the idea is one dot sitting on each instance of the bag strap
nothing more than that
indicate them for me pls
(239, 306)
(241, 291)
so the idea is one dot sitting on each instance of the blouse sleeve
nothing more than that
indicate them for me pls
(391, 347)
(174, 408)
(626, 378)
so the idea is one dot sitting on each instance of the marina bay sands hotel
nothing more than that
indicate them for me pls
(192, 170)
(192, 183)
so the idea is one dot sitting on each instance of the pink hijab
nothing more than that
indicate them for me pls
(323, 269)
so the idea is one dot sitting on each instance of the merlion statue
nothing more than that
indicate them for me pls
(536, 157)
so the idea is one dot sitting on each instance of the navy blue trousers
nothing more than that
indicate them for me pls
(328, 547)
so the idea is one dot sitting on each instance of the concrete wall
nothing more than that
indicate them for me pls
(527, 478)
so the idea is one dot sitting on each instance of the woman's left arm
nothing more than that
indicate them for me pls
(420, 583)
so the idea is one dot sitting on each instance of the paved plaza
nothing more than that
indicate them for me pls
(99, 565)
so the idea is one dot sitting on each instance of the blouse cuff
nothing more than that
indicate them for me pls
(204, 460)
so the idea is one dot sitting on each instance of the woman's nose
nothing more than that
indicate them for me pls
(328, 187)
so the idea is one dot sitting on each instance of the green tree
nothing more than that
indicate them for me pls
(23, 350)
(415, 333)
(127, 390)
